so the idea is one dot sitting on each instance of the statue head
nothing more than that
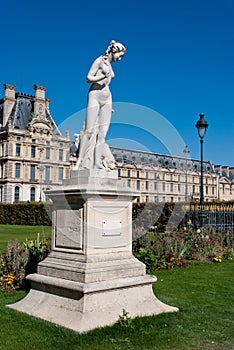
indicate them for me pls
(116, 50)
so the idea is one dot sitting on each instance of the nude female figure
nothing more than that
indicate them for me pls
(93, 151)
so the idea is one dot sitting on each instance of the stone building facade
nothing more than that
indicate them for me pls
(226, 182)
(34, 157)
(164, 178)
(33, 154)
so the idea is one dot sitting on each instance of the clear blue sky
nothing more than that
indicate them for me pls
(179, 63)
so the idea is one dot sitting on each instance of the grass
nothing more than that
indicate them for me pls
(204, 293)
(21, 232)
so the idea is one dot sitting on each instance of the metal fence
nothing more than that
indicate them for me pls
(218, 216)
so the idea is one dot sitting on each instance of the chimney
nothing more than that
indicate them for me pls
(40, 101)
(226, 169)
(218, 168)
(231, 170)
(9, 102)
(68, 134)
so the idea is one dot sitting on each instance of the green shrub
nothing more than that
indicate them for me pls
(19, 260)
(37, 251)
(170, 250)
(12, 266)
(25, 214)
(160, 251)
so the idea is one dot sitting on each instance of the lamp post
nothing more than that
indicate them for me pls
(201, 126)
(186, 154)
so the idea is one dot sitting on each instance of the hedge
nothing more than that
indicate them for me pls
(163, 215)
(25, 214)
(147, 215)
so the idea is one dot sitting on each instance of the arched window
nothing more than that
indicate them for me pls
(32, 194)
(17, 190)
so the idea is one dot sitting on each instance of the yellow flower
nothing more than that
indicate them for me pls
(218, 259)
(9, 278)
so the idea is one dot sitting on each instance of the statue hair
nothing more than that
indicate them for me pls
(115, 47)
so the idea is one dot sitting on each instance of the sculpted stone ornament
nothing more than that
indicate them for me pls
(93, 152)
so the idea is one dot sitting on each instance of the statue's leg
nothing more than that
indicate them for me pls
(103, 126)
(92, 111)
(104, 122)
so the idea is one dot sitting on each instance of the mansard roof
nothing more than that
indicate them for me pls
(138, 158)
(225, 172)
(23, 112)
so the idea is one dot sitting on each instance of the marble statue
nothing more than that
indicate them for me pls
(92, 150)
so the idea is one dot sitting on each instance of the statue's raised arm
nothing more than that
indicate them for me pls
(93, 151)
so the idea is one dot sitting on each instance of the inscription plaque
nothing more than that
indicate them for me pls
(111, 228)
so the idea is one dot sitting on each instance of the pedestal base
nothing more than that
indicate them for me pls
(85, 306)
(91, 275)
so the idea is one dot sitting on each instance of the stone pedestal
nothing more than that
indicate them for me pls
(91, 275)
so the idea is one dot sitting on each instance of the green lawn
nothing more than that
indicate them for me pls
(204, 293)
(21, 232)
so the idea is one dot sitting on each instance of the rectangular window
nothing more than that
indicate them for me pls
(207, 190)
(146, 174)
(163, 187)
(17, 149)
(178, 178)
(179, 188)
(147, 185)
(32, 172)
(213, 191)
(155, 186)
(17, 170)
(171, 177)
(119, 172)
(47, 173)
(16, 194)
(60, 174)
(60, 154)
(47, 153)
(138, 174)
(164, 199)
(138, 185)
(33, 151)
(171, 187)
(129, 183)
(129, 173)
(156, 198)
(32, 194)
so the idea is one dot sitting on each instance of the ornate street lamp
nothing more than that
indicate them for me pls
(186, 155)
(201, 126)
